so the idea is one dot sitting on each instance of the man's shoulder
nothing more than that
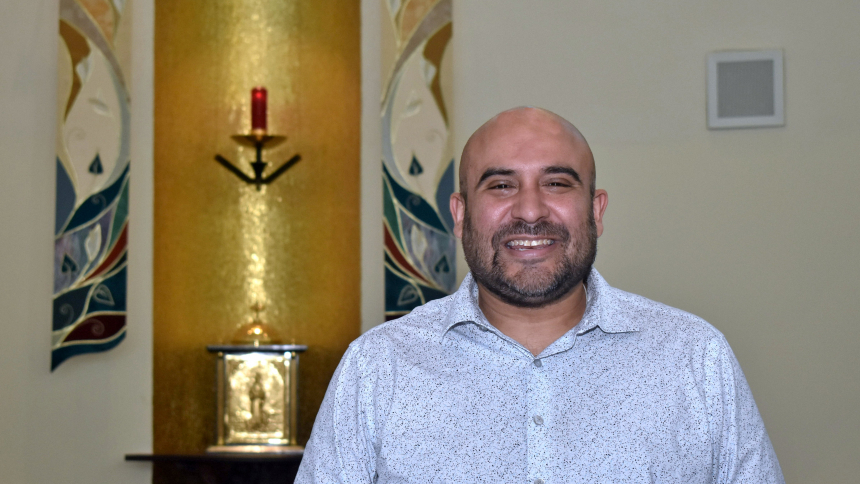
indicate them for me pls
(656, 319)
(423, 326)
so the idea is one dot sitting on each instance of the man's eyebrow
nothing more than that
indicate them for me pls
(495, 171)
(563, 170)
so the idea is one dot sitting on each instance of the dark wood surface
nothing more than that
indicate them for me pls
(220, 468)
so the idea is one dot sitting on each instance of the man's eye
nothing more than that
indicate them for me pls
(499, 186)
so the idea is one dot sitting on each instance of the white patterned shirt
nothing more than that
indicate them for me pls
(637, 392)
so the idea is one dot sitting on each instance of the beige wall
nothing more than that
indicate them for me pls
(755, 230)
(75, 424)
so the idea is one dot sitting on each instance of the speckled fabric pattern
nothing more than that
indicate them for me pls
(637, 392)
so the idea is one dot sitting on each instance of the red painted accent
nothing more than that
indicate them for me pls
(118, 249)
(258, 108)
(395, 252)
(97, 327)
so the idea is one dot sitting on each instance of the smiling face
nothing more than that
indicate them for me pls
(528, 214)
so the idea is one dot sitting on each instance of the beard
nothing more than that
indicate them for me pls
(532, 286)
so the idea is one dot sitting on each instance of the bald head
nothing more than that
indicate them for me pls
(524, 125)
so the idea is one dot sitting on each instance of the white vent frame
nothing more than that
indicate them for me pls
(778, 118)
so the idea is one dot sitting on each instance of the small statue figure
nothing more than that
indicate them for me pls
(257, 396)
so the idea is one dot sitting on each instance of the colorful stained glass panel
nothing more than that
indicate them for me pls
(417, 158)
(91, 219)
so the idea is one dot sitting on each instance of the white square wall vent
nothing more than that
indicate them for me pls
(745, 89)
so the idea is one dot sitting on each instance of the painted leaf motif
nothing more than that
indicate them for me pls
(419, 241)
(69, 265)
(415, 168)
(428, 70)
(413, 105)
(99, 105)
(93, 242)
(103, 295)
(407, 295)
(442, 265)
(96, 166)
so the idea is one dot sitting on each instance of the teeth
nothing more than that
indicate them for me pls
(529, 243)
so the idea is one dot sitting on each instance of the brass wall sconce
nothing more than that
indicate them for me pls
(258, 139)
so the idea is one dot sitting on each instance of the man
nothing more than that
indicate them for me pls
(536, 370)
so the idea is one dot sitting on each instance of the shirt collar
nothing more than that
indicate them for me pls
(464, 307)
(600, 309)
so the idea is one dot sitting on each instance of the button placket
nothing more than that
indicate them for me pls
(538, 436)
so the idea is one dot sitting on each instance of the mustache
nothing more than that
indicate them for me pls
(539, 229)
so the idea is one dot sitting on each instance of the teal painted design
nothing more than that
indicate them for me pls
(120, 216)
(92, 198)
(443, 196)
(401, 294)
(389, 211)
(69, 266)
(70, 306)
(109, 294)
(414, 204)
(65, 202)
(62, 354)
(77, 252)
(423, 240)
(425, 247)
(97, 203)
(442, 265)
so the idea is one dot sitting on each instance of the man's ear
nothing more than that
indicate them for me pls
(599, 203)
(458, 211)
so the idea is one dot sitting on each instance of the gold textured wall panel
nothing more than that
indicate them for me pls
(221, 245)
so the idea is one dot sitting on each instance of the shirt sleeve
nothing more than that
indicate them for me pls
(743, 451)
(341, 447)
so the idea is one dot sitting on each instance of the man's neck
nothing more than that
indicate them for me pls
(534, 328)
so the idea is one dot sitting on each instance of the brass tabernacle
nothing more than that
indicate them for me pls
(257, 398)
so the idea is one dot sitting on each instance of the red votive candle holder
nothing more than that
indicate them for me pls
(258, 109)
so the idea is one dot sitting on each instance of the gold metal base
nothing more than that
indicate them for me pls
(256, 449)
(270, 140)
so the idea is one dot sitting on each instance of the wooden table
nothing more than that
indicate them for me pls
(221, 468)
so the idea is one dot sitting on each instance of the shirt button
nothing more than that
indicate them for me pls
(537, 363)
(538, 481)
(538, 420)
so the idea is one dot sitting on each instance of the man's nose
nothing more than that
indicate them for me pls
(530, 205)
